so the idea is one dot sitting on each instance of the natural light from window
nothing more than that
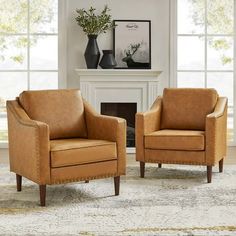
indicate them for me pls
(28, 50)
(205, 48)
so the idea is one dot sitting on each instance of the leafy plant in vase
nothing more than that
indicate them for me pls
(94, 25)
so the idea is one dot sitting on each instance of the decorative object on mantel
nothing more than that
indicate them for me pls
(132, 44)
(92, 53)
(108, 61)
(93, 25)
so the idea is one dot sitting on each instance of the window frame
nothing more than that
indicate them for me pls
(62, 50)
(174, 53)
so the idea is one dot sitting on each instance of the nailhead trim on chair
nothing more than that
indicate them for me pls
(37, 154)
(175, 162)
(83, 179)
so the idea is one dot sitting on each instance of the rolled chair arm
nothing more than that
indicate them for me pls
(29, 147)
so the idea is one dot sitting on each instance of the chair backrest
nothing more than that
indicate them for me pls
(187, 108)
(62, 110)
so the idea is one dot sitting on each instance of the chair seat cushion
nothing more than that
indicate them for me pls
(68, 152)
(175, 140)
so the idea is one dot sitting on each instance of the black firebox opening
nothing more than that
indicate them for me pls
(126, 111)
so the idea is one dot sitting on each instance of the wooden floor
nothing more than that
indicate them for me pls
(231, 157)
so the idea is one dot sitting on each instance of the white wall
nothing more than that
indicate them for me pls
(155, 10)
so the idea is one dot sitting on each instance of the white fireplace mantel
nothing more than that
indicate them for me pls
(118, 72)
(119, 85)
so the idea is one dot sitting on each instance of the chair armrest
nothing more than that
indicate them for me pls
(219, 108)
(147, 122)
(150, 120)
(29, 146)
(216, 132)
(108, 128)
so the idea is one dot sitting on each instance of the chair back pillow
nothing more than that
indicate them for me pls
(62, 110)
(187, 108)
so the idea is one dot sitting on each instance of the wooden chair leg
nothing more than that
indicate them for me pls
(42, 192)
(209, 174)
(142, 169)
(86, 181)
(117, 185)
(221, 163)
(18, 182)
(159, 165)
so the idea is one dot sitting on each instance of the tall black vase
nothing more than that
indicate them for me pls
(92, 53)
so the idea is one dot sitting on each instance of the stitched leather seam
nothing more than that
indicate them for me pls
(117, 150)
(170, 149)
(37, 153)
(178, 136)
(98, 145)
(83, 163)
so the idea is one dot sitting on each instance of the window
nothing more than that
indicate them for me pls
(28, 50)
(204, 44)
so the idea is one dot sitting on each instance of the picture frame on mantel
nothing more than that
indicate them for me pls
(132, 44)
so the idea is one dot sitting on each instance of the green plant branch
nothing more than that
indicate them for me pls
(93, 24)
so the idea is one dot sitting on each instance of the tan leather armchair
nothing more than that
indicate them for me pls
(55, 137)
(185, 126)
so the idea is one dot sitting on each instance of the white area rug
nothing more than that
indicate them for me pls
(174, 200)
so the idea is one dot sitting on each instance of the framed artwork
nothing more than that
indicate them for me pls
(132, 44)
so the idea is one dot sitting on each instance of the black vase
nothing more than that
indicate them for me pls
(92, 53)
(108, 61)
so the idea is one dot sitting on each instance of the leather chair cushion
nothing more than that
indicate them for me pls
(187, 108)
(62, 110)
(175, 140)
(68, 152)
